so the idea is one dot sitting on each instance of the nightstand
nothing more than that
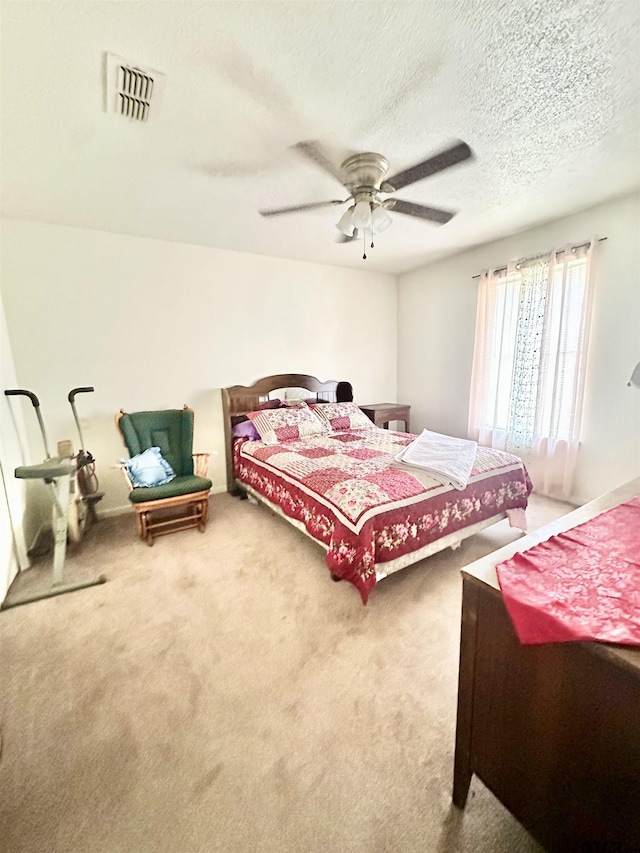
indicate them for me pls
(382, 413)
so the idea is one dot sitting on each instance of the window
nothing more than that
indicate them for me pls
(529, 359)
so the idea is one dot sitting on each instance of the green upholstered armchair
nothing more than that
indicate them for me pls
(183, 502)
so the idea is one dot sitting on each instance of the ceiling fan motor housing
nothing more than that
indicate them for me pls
(364, 172)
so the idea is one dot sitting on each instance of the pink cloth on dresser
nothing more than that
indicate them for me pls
(583, 584)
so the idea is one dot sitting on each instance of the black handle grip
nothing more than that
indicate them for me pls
(74, 391)
(15, 391)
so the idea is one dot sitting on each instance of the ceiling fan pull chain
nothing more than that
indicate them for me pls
(364, 243)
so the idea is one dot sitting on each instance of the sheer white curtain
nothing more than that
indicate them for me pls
(527, 383)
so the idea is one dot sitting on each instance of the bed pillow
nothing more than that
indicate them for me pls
(289, 424)
(341, 417)
(148, 469)
(267, 404)
(246, 429)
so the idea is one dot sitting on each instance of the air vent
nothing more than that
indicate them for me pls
(131, 90)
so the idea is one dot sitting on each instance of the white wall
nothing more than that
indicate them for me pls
(436, 327)
(153, 324)
(12, 491)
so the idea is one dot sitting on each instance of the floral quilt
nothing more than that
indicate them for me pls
(342, 489)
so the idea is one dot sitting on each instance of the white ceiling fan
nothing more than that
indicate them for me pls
(363, 175)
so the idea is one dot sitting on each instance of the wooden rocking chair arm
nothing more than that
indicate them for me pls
(201, 462)
(200, 466)
(123, 468)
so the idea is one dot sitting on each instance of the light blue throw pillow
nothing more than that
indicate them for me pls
(148, 469)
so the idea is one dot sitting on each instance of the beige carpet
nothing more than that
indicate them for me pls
(220, 693)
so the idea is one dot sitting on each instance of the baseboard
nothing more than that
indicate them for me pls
(111, 513)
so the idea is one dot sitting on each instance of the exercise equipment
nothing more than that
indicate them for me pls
(85, 492)
(57, 472)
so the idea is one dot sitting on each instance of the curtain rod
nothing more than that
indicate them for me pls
(559, 252)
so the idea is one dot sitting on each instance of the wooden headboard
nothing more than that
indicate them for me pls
(240, 399)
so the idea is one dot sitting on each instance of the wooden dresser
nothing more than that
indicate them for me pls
(552, 730)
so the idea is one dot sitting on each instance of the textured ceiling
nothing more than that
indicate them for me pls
(546, 93)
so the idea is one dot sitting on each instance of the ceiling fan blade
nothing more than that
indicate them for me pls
(276, 211)
(433, 214)
(314, 152)
(444, 160)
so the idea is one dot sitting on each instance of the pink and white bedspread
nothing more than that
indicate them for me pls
(342, 490)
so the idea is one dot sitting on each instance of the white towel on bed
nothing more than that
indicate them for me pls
(447, 459)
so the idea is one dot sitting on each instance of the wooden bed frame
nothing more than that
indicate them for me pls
(240, 399)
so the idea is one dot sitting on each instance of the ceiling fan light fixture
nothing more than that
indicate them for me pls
(345, 223)
(380, 220)
(362, 215)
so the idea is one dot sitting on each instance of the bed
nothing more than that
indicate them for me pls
(337, 483)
